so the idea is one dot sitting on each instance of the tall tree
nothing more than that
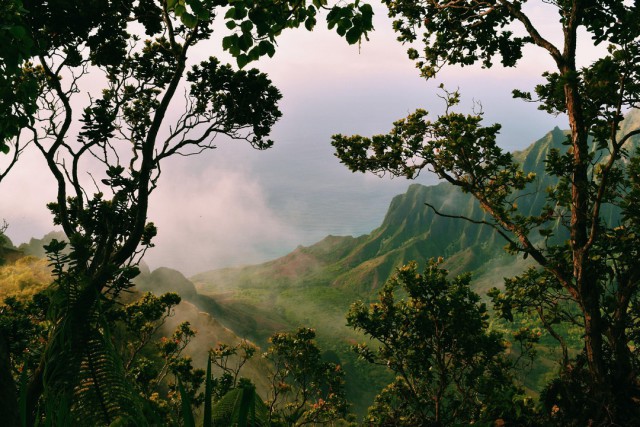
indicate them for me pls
(596, 269)
(304, 389)
(105, 150)
(450, 369)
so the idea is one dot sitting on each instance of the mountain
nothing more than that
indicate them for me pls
(35, 247)
(410, 230)
(247, 322)
(315, 285)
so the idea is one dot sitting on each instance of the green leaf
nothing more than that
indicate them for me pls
(23, 397)
(17, 31)
(353, 35)
(231, 13)
(254, 54)
(245, 42)
(242, 60)
(310, 23)
(189, 20)
(366, 9)
(241, 12)
(207, 394)
(266, 48)
(228, 42)
(204, 15)
(241, 406)
(246, 26)
(179, 9)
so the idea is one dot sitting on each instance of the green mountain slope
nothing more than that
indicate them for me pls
(314, 286)
(410, 230)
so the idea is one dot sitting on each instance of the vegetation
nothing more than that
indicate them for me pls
(323, 305)
(24, 278)
(450, 369)
(76, 346)
(106, 171)
(591, 279)
(140, 358)
(304, 388)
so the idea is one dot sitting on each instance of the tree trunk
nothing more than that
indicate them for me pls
(585, 282)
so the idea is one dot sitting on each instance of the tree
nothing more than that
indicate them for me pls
(595, 269)
(229, 360)
(105, 153)
(450, 369)
(304, 388)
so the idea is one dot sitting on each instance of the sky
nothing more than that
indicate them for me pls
(235, 205)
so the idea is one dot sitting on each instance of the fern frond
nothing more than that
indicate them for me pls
(83, 368)
(241, 407)
(103, 391)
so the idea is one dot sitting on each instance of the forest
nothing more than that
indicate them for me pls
(506, 295)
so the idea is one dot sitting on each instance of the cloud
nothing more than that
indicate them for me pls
(213, 218)
(24, 194)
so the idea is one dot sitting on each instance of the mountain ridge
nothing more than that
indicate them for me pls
(409, 230)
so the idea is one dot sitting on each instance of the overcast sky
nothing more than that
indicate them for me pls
(236, 206)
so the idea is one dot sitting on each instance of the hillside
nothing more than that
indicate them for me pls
(315, 285)
(410, 230)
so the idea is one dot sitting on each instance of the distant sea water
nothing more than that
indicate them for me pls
(310, 190)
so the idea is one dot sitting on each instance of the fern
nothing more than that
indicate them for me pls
(102, 395)
(241, 407)
(84, 380)
(83, 368)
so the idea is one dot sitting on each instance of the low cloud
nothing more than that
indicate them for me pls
(214, 218)
(24, 194)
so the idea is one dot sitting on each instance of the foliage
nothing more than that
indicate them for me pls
(105, 151)
(256, 24)
(304, 388)
(450, 369)
(24, 278)
(23, 332)
(229, 360)
(591, 279)
(155, 364)
(18, 90)
(187, 415)
(242, 407)
(135, 358)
